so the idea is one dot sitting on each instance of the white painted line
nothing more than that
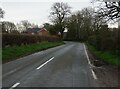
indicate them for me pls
(93, 73)
(87, 56)
(15, 85)
(45, 63)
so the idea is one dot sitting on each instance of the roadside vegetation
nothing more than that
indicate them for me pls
(85, 25)
(91, 25)
(106, 56)
(19, 45)
(11, 53)
(25, 39)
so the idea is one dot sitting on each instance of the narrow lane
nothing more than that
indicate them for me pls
(68, 67)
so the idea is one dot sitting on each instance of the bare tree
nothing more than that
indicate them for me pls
(110, 10)
(1, 13)
(8, 27)
(1, 16)
(59, 12)
(26, 24)
(20, 27)
(34, 25)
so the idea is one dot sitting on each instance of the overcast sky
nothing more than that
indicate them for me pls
(36, 11)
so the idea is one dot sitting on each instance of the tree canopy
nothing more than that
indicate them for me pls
(109, 11)
(59, 11)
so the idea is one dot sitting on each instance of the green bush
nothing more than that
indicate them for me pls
(23, 39)
(95, 41)
(106, 56)
(102, 42)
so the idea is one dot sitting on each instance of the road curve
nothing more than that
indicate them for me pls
(62, 66)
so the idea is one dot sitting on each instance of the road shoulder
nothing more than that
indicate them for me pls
(107, 74)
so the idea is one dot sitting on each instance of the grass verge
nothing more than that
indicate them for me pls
(11, 53)
(106, 56)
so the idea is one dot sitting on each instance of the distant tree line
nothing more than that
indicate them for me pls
(87, 25)
(10, 27)
(84, 25)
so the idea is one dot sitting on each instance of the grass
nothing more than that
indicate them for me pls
(106, 56)
(11, 53)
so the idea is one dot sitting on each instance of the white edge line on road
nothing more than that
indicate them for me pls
(87, 56)
(45, 63)
(15, 85)
(93, 73)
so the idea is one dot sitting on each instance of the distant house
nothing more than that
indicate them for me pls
(39, 31)
(65, 33)
(32, 31)
(43, 32)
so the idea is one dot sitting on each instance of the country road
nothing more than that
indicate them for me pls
(63, 66)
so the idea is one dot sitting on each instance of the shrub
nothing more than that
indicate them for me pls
(95, 41)
(20, 39)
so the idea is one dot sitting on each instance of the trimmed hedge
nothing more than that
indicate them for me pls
(23, 39)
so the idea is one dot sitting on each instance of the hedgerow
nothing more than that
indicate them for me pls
(109, 40)
(24, 39)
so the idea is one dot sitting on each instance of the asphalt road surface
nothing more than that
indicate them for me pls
(63, 66)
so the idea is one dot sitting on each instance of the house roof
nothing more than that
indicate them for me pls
(33, 30)
(42, 29)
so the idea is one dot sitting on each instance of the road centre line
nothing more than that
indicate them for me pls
(93, 73)
(15, 85)
(44, 63)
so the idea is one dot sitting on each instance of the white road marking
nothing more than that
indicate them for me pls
(15, 85)
(87, 56)
(93, 73)
(45, 63)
